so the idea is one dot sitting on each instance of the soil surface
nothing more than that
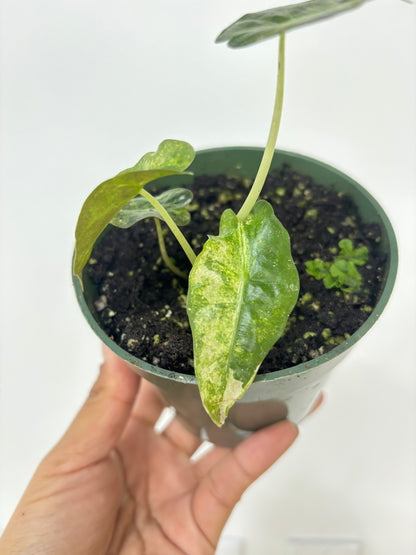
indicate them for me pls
(141, 304)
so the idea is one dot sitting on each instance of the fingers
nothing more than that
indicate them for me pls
(101, 420)
(317, 403)
(148, 405)
(181, 438)
(224, 484)
(210, 459)
(206, 462)
(148, 408)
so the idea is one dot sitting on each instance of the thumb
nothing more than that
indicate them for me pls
(101, 420)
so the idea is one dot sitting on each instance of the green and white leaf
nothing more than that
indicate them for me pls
(171, 154)
(102, 205)
(242, 288)
(173, 200)
(255, 27)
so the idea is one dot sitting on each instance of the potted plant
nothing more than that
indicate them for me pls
(244, 284)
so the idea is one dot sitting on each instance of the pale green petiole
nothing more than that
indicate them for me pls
(271, 141)
(164, 253)
(172, 226)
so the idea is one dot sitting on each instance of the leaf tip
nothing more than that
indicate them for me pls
(220, 38)
(218, 413)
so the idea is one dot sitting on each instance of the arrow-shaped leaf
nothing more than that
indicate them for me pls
(255, 27)
(171, 158)
(173, 200)
(242, 288)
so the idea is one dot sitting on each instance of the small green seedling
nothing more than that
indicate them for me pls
(342, 273)
(244, 284)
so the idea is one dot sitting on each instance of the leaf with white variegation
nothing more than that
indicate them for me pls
(258, 26)
(173, 200)
(171, 158)
(242, 288)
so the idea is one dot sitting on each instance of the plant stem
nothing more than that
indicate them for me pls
(271, 140)
(171, 224)
(164, 253)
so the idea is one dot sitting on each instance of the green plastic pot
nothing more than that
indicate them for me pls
(288, 393)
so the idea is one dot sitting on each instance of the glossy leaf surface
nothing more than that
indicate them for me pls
(173, 200)
(102, 205)
(242, 289)
(255, 27)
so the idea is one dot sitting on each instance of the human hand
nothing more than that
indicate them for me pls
(112, 485)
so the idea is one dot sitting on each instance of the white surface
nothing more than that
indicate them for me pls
(230, 545)
(87, 88)
(324, 546)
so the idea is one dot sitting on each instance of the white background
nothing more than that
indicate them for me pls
(89, 86)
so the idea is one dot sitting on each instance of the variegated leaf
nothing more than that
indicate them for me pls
(255, 27)
(242, 288)
(171, 158)
(173, 200)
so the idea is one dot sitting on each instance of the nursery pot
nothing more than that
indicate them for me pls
(288, 393)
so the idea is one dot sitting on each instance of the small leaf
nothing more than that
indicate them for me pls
(329, 280)
(242, 289)
(317, 268)
(358, 256)
(107, 199)
(255, 27)
(341, 272)
(170, 155)
(173, 200)
(346, 276)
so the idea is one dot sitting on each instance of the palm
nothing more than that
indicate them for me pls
(113, 485)
(160, 481)
(140, 498)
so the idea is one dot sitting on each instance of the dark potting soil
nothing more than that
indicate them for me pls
(141, 304)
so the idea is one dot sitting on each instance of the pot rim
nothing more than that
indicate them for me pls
(304, 366)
